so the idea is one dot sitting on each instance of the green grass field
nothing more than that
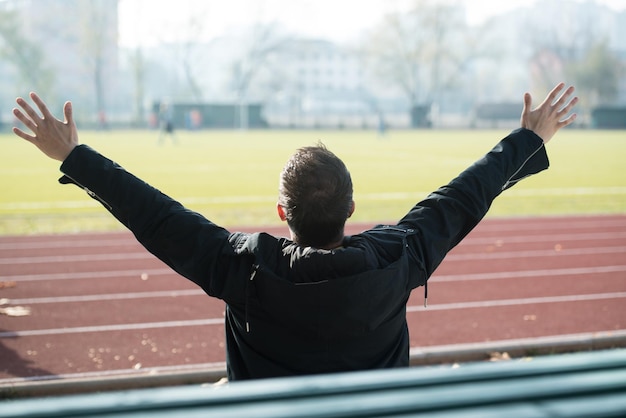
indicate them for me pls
(231, 177)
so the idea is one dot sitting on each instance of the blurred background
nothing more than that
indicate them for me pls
(368, 64)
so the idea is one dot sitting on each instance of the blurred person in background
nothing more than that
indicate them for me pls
(166, 124)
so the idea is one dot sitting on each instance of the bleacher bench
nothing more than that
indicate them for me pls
(591, 384)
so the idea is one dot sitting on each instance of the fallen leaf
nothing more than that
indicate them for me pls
(15, 311)
(6, 285)
(497, 356)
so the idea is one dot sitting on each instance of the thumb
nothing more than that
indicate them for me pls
(67, 111)
(528, 100)
(69, 120)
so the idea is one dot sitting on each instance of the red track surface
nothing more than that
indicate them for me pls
(100, 305)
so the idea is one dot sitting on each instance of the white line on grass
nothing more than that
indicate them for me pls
(88, 203)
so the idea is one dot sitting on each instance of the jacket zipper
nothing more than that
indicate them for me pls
(90, 193)
(255, 268)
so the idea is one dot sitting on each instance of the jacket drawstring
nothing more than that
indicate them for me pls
(255, 268)
(426, 294)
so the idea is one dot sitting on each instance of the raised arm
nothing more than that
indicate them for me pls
(186, 241)
(448, 214)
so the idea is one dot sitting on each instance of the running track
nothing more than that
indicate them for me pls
(100, 305)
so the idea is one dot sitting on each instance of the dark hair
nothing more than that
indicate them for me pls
(315, 192)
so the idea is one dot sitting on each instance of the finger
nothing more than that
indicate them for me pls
(567, 121)
(24, 135)
(569, 106)
(528, 100)
(67, 112)
(564, 97)
(555, 91)
(25, 120)
(34, 116)
(42, 106)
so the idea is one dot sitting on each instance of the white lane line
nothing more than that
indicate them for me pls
(116, 327)
(220, 321)
(527, 273)
(536, 253)
(560, 238)
(505, 238)
(451, 257)
(106, 297)
(76, 258)
(89, 275)
(557, 222)
(70, 242)
(515, 302)
(92, 275)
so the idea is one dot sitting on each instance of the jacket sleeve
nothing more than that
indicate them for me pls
(448, 214)
(183, 239)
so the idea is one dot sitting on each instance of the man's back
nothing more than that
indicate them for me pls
(307, 311)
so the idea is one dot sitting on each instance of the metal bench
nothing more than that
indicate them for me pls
(591, 384)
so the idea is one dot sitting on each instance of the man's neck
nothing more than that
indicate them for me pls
(330, 246)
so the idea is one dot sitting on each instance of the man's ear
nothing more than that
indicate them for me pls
(281, 212)
(352, 208)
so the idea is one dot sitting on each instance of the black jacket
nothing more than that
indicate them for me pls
(294, 310)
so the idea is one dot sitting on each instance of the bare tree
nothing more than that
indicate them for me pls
(597, 73)
(265, 40)
(189, 51)
(579, 54)
(24, 54)
(188, 45)
(98, 31)
(418, 52)
(137, 63)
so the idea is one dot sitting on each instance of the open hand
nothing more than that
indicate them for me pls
(551, 115)
(53, 137)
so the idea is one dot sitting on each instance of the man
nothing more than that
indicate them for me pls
(166, 124)
(319, 302)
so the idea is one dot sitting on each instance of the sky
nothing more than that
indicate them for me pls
(148, 22)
